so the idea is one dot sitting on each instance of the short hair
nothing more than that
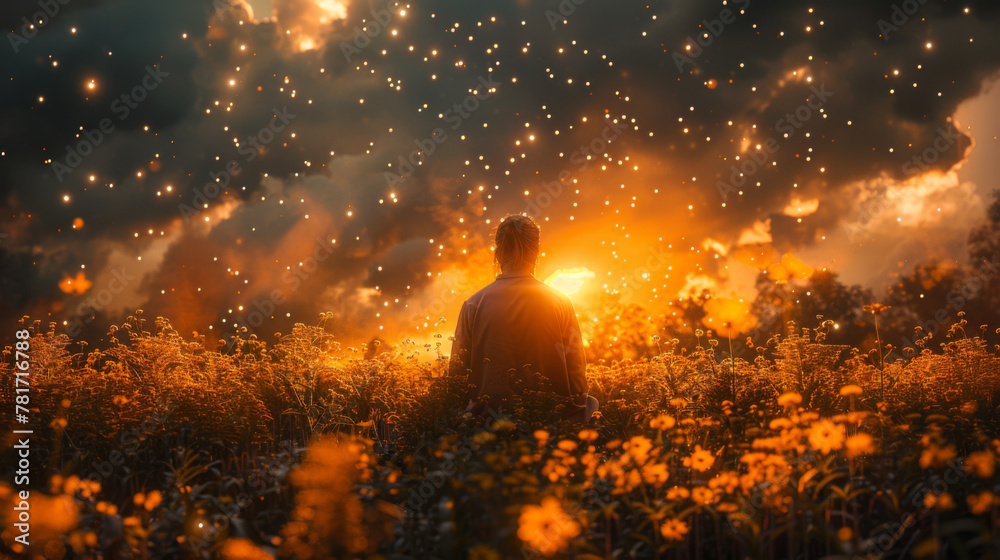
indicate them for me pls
(516, 241)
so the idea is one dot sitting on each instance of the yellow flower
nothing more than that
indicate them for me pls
(71, 484)
(554, 470)
(587, 435)
(943, 502)
(937, 456)
(858, 444)
(638, 447)
(982, 502)
(482, 438)
(825, 436)
(789, 399)
(546, 528)
(702, 495)
(483, 552)
(700, 459)
(780, 424)
(662, 422)
(850, 390)
(655, 473)
(153, 499)
(504, 425)
(631, 480)
(674, 529)
(566, 445)
(727, 481)
(678, 493)
(982, 463)
(242, 549)
(808, 417)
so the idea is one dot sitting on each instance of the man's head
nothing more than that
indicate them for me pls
(517, 244)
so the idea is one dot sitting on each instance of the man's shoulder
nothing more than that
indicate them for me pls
(526, 285)
(554, 294)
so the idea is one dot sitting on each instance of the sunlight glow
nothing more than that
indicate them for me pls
(569, 280)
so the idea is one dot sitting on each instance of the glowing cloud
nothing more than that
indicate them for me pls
(569, 280)
(798, 208)
(759, 233)
(790, 268)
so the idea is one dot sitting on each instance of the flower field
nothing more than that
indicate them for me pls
(158, 447)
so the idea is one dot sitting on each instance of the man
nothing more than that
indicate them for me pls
(518, 326)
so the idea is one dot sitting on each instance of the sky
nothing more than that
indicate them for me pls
(229, 164)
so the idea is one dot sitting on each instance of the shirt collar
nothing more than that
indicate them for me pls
(504, 276)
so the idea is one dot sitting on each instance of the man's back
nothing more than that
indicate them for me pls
(522, 324)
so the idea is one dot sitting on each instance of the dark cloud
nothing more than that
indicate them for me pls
(336, 77)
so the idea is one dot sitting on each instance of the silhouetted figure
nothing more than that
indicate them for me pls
(518, 326)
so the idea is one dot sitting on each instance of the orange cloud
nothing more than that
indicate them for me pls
(790, 268)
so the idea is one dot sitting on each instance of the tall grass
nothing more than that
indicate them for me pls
(308, 449)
